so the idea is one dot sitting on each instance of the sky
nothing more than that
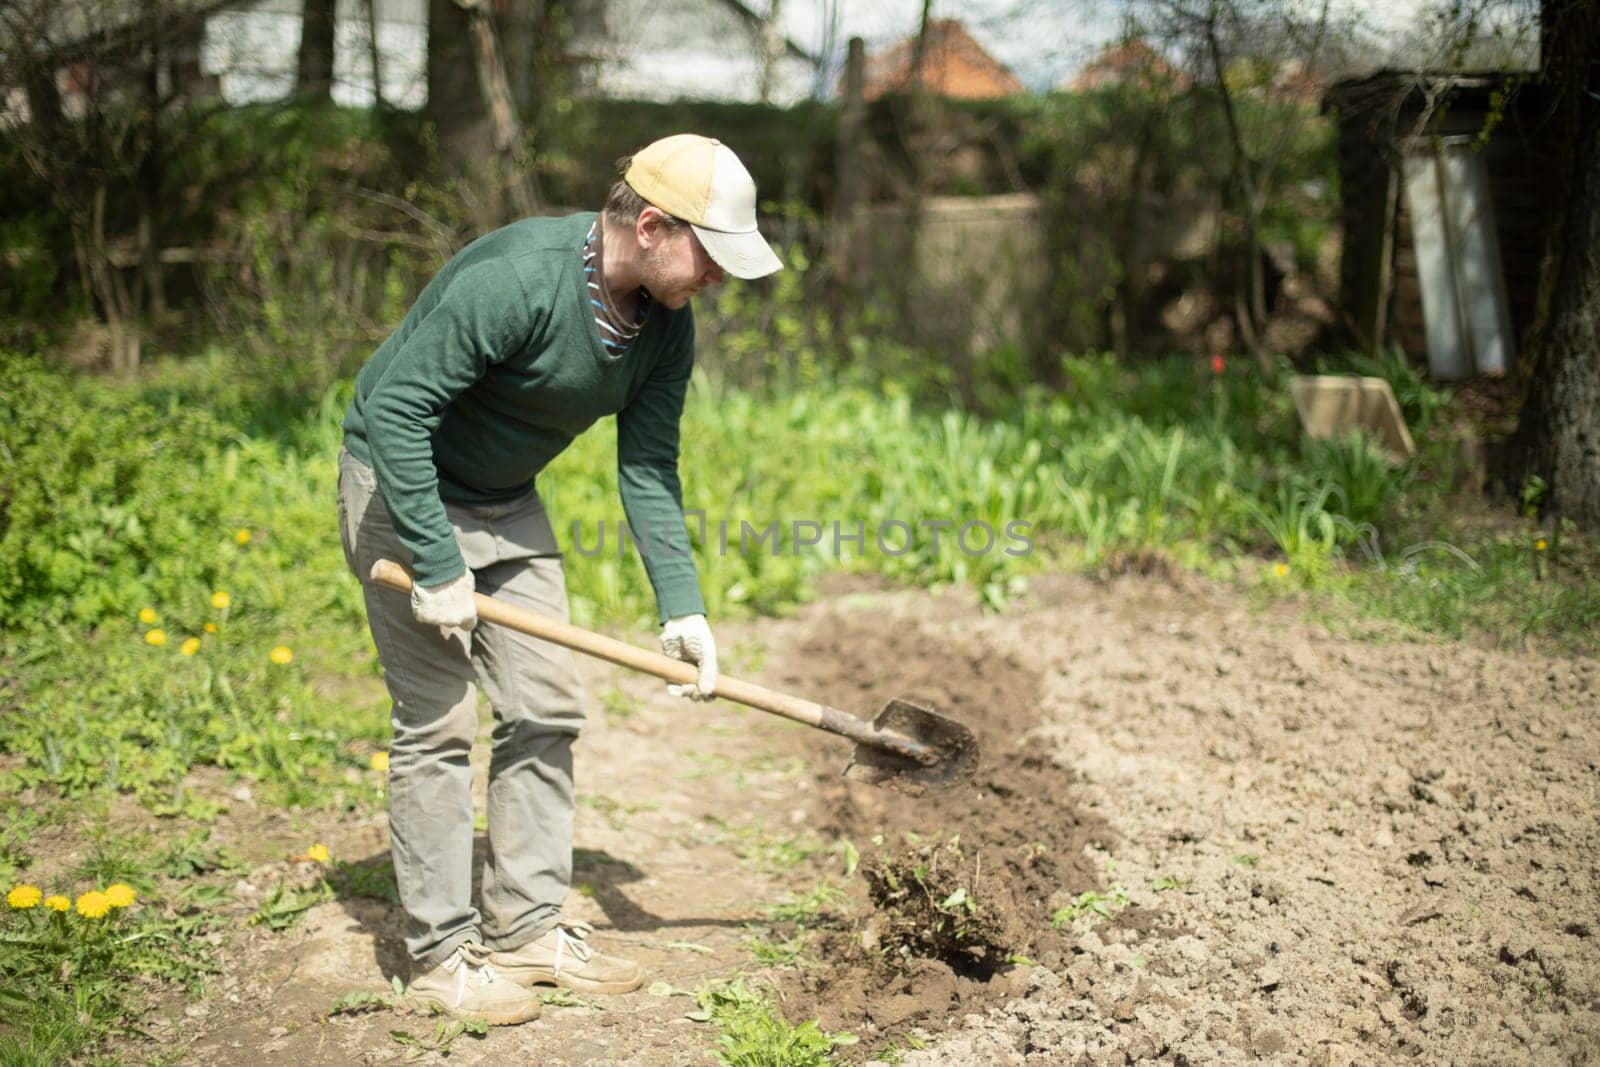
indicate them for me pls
(1043, 41)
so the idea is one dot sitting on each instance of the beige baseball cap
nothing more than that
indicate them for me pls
(699, 180)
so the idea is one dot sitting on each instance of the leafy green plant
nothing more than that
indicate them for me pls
(1302, 526)
(772, 951)
(70, 966)
(442, 1041)
(363, 1001)
(193, 854)
(566, 998)
(775, 852)
(805, 907)
(374, 880)
(753, 1034)
(1361, 478)
(284, 905)
(1090, 906)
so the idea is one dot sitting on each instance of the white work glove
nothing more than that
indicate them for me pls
(448, 606)
(688, 637)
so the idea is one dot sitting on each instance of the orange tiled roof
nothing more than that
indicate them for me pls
(1131, 60)
(953, 64)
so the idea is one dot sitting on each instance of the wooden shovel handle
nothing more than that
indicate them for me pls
(387, 572)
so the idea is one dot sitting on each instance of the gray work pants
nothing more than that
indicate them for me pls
(538, 704)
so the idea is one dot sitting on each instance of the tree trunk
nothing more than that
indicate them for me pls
(314, 74)
(454, 103)
(771, 50)
(1127, 329)
(1558, 433)
(496, 90)
(847, 174)
(1249, 299)
(149, 179)
(107, 286)
(374, 55)
(520, 21)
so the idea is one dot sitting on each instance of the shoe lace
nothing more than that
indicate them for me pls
(570, 935)
(470, 964)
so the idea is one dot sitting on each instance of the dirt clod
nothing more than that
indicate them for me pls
(930, 908)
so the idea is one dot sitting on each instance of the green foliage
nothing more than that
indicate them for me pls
(1090, 906)
(753, 1034)
(284, 905)
(807, 906)
(1505, 589)
(146, 532)
(1302, 526)
(441, 1041)
(70, 975)
(374, 880)
(362, 1001)
(1362, 480)
(776, 143)
(771, 952)
(1106, 158)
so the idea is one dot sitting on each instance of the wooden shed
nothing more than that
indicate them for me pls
(1441, 220)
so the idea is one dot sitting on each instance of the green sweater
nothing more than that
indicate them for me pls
(494, 371)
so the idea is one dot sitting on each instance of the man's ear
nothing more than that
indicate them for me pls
(650, 229)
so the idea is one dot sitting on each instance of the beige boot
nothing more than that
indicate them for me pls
(564, 957)
(465, 984)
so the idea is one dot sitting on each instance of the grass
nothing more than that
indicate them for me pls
(76, 947)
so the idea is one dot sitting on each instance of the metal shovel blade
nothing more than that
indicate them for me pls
(949, 751)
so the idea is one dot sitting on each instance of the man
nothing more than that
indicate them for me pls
(524, 339)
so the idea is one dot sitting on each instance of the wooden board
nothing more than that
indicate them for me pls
(1332, 405)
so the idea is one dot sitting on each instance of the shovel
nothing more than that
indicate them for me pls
(906, 746)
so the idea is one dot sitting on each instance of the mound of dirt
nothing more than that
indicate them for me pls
(961, 882)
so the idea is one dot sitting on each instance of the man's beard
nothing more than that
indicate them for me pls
(653, 269)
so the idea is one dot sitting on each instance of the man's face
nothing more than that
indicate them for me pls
(675, 267)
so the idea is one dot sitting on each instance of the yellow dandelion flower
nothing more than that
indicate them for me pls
(1280, 570)
(220, 600)
(23, 897)
(190, 646)
(57, 903)
(120, 895)
(319, 852)
(281, 655)
(1539, 545)
(93, 904)
(155, 637)
(211, 627)
(380, 761)
(241, 536)
(148, 615)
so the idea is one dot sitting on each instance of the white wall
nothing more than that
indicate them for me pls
(688, 49)
(654, 50)
(253, 51)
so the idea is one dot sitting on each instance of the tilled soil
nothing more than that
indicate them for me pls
(1331, 851)
(1306, 849)
(1009, 846)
